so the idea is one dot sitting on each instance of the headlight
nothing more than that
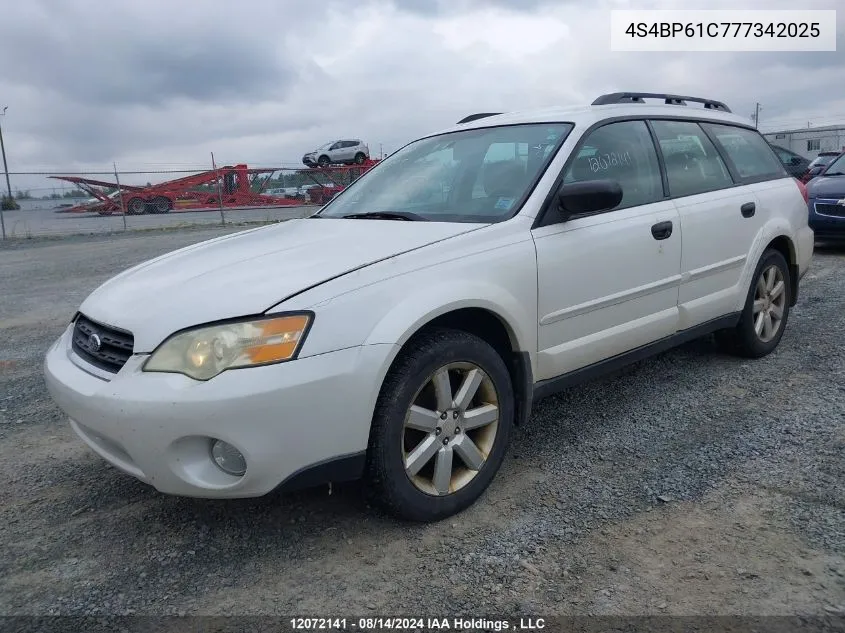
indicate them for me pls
(204, 352)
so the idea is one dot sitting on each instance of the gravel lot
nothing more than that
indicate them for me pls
(692, 483)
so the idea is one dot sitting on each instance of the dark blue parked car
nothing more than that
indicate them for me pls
(826, 200)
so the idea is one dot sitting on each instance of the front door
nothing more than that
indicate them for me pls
(608, 283)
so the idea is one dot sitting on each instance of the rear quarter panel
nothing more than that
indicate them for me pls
(785, 214)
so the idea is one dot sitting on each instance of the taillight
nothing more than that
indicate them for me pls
(803, 189)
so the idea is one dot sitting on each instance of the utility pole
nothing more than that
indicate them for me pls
(6, 171)
(757, 116)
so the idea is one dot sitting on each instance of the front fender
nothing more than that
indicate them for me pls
(419, 307)
(388, 302)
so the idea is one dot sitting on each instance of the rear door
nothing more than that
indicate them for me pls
(349, 149)
(718, 216)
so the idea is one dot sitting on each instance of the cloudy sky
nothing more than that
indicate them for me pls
(158, 84)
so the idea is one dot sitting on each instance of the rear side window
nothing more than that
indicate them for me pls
(623, 152)
(751, 156)
(692, 163)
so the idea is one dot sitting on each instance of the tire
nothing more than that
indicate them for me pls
(323, 161)
(753, 337)
(427, 491)
(135, 206)
(360, 158)
(160, 204)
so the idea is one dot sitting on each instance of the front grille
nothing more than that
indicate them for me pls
(102, 346)
(832, 209)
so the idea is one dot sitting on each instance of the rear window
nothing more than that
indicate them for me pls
(751, 155)
(787, 157)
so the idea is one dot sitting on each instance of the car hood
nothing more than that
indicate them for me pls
(249, 272)
(827, 187)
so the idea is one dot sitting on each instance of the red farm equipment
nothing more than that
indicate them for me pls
(237, 188)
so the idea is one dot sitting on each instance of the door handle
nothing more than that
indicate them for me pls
(748, 209)
(662, 230)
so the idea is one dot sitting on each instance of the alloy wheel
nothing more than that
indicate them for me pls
(450, 428)
(769, 303)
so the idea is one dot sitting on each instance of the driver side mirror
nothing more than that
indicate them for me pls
(589, 196)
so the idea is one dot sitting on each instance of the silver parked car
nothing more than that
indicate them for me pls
(347, 152)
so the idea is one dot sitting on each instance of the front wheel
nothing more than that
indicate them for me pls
(441, 426)
(135, 206)
(766, 310)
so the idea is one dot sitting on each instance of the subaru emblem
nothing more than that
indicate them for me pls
(94, 342)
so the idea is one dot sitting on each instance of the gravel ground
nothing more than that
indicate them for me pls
(691, 483)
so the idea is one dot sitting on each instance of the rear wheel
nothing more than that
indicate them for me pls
(441, 426)
(766, 310)
(360, 158)
(160, 204)
(135, 206)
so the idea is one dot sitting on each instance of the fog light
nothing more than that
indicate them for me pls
(228, 458)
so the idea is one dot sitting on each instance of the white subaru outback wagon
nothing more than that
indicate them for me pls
(399, 334)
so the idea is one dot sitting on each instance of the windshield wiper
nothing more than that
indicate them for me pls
(835, 173)
(385, 215)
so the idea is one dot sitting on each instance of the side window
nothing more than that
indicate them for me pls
(751, 156)
(814, 145)
(692, 163)
(350, 143)
(623, 152)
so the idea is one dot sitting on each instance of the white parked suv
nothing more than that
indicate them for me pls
(346, 152)
(403, 330)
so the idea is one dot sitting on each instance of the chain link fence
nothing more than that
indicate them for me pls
(103, 202)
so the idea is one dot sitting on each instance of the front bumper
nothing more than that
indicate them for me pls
(283, 418)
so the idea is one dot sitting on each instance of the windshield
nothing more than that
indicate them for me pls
(836, 168)
(480, 175)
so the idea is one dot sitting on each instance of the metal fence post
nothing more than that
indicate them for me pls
(219, 190)
(120, 196)
(8, 184)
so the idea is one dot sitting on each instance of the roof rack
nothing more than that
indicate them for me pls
(638, 97)
(474, 117)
